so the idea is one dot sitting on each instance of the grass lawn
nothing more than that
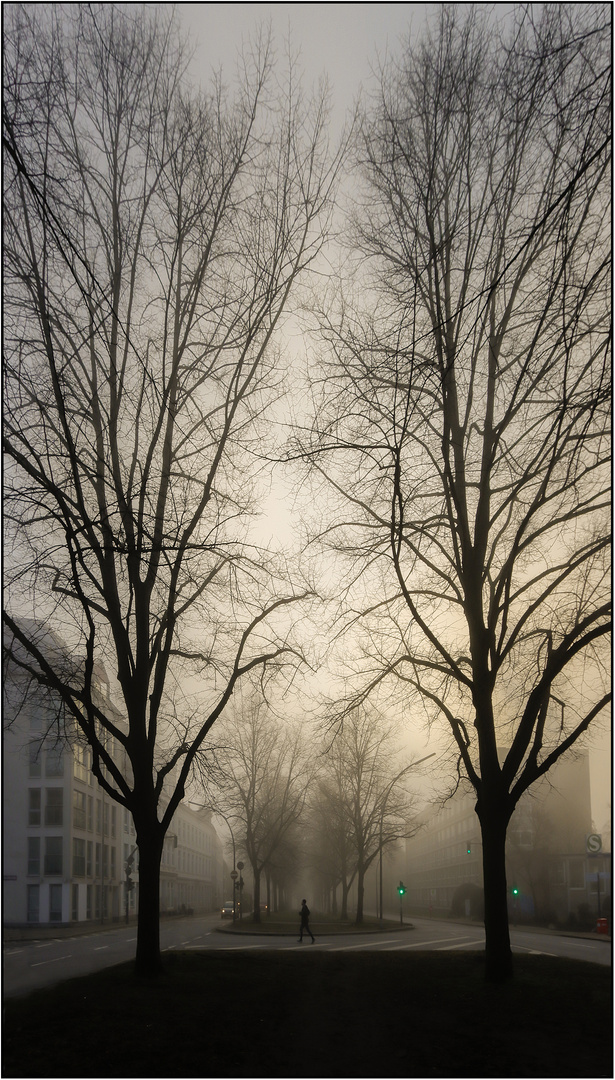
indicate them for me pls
(316, 1014)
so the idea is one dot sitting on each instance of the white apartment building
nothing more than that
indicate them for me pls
(67, 844)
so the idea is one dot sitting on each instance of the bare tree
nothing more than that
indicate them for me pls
(152, 237)
(464, 419)
(363, 797)
(262, 779)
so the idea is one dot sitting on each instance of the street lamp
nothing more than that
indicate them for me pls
(382, 813)
(240, 868)
(234, 871)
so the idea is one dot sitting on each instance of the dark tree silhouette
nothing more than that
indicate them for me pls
(464, 420)
(152, 237)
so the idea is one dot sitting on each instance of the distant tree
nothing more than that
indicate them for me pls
(329, 841)
(152, 239)
(362, 795)
(463, 419)
(260, 784)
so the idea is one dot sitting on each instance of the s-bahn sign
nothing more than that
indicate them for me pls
(593, 843)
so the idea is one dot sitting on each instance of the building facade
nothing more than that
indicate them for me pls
(558, 867)
(69, 850)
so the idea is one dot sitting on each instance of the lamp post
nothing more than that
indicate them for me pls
(383, 810)
(234, 871)
(240, 868)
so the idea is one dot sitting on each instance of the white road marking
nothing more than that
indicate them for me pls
(54, 961)
(462, 945)
(422, 944)
(365, 945)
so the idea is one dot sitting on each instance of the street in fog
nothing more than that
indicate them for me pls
(31, 965)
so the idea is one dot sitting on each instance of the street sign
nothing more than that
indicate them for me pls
(234, 874)
(593, 843)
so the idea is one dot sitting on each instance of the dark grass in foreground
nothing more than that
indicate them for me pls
(316, 1014)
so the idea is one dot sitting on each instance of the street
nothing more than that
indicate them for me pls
(29, 965)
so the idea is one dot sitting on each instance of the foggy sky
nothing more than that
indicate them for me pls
(346, 42)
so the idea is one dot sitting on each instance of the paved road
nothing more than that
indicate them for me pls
(29, 965)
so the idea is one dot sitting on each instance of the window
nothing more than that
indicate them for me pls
(106, 818)
(34, 808)
(577, 875)
(80, 769)
(75, 903)
(78, 857)
(88, 901)
(98, 816)
(113, 864)
(53, 855)
(113, 820)
(558, 873)
(54, 762)
(33, 903)
(90, 813)
(97, 862)
(88, 859)
(34, 856)
(79, 809)
(34, 759)
(55, 903)
(36, 724)
(54, 799)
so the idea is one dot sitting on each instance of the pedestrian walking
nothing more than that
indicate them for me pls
(304, 915)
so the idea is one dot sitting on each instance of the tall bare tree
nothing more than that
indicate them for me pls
(152, 237)
(465, 415)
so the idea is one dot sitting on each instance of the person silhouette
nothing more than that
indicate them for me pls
(304, 915)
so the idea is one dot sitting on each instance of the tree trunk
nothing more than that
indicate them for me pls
(148, 962)
(345, 890)
(498, 954)
(256, 914)
(360, 892)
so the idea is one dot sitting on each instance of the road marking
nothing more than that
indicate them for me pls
(422, 944)
(41, 963)
(46, 945)
(462, 945)
(365, 945)
(232, 948)
(532, 952)
(99, 948)
(13, 952)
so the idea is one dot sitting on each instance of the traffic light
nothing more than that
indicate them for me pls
(469, 847)
(514, 890)
(401, 888)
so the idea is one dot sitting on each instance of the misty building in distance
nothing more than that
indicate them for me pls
(558, 866)
(69, 850)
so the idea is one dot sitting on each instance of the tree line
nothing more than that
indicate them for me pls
(321, 811)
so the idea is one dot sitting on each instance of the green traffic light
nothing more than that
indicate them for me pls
(515, 890)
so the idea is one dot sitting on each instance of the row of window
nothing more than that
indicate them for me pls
(89, 859)
(83, 811)
(93, 902)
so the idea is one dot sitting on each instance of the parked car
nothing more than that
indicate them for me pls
(228, 910)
